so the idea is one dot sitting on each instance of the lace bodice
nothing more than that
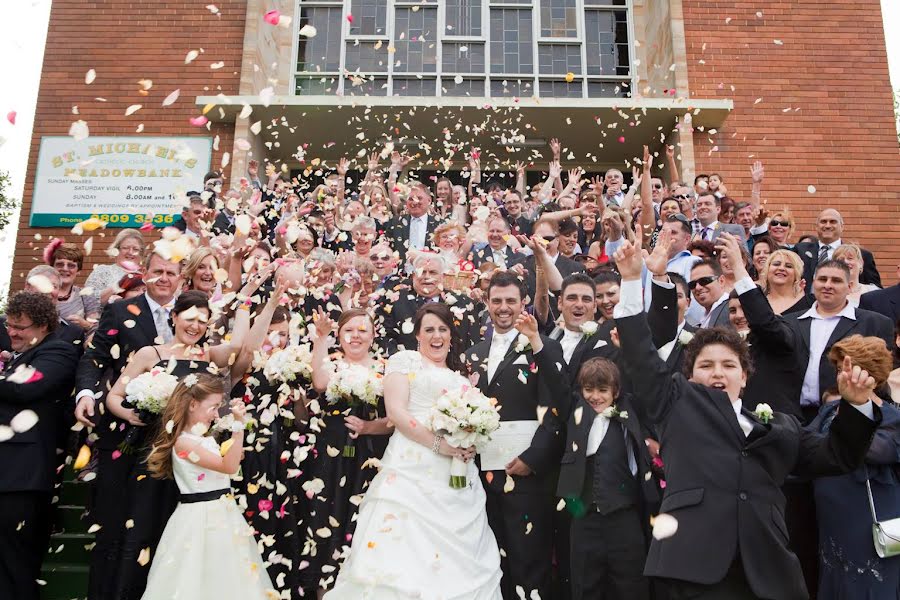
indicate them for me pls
(426, 381)
(192, 479)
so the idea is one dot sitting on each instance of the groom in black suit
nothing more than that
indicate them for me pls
(522, 370)
(125, 327)
(725, 465)
(29, 458)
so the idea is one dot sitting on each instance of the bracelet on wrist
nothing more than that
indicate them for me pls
(436, 444)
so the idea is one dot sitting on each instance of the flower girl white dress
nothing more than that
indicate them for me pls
(207, 550)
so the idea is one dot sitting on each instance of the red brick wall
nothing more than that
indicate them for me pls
(124, 42)
(831, 71)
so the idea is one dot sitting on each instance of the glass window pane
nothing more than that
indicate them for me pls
(414, 87)
(369, 17)
(319, 86)
(462, 58)
(415, 35)
(559, 18)
(512, 88)
(608, 89)
(463, 17)
(511, 41)
(322, 52)
(465, 87)
(365, 86)
(362, 56)
(559, 59)
(560, 89)
(606, 37)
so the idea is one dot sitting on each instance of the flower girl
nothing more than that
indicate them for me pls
(207, 549)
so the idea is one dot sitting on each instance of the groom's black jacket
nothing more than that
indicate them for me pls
(528, 386)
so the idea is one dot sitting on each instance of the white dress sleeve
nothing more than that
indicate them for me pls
(407, 361)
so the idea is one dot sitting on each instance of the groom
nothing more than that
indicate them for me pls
(521, 369)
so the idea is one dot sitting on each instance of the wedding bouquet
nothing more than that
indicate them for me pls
(287, 365)
(357, 385)
(147, 394)
(465, 417)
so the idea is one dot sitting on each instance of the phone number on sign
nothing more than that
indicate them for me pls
(136, 219)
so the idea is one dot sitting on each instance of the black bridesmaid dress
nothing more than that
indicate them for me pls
(148, 504)
(273, 508)
(345, 481)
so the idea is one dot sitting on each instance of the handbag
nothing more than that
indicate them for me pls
(886, 534)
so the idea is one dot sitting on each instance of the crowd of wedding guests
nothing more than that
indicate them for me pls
(342, 269)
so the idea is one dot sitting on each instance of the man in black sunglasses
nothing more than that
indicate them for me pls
(706, 285)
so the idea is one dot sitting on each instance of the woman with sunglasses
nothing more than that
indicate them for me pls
(780, 227)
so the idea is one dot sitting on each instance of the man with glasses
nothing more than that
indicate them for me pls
(706, 285)
(685, 198)
(38, 376)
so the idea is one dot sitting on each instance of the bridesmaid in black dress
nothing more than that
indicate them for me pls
(348, 433)
(151, 501)
(266, 489)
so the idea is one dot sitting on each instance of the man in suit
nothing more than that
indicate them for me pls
(513, 207)
(125, 327)
(606, 481)
(668, 306)
(524, 375)
(724, 464)
(497, 251)
(396, 308)
(193, 216)
(413, 230)
(708, 226)
(36, 382)
(707, 286)
(546, 232)
(829, 228)
(885, 302)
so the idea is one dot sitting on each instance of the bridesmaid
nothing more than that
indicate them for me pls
(348, 436)
(151, 501)
(266, 490)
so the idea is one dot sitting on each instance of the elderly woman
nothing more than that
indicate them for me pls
(128, 251)
(781, 280)
(73, 306)
(848, 564)
(850, 255)
(363, 232)
(450, 240)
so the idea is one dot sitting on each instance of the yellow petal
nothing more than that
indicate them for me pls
(84, 455)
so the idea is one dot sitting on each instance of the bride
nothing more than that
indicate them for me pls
(416, 537)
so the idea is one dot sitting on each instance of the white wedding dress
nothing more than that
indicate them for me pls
(416, 537)
(207, 551)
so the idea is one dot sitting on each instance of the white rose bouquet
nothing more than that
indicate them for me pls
(285, 366)
(357, 386)
(147, 394)
(465, 417)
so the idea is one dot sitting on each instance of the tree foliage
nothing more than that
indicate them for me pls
(8, 206)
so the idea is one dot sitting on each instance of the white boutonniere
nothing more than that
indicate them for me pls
(744, 333)
(612, 412)
(589, 328)
(685, 337)
(763, 412)
(522, 343)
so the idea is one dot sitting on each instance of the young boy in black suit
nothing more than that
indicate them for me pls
(605, 479)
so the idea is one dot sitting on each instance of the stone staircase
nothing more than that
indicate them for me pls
(65, 568)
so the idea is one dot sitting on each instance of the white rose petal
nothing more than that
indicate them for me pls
(664, 526)
(24, 421)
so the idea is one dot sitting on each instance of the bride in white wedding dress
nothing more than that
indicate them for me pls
(416, 537)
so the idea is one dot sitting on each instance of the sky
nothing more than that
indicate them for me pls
(22, 46)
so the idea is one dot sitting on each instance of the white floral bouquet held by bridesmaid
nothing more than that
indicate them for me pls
(464, 417)
(357, 385)
(147, 394)
(285, 366)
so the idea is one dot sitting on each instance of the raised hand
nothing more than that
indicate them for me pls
(253, 168)
(670, 151)
(636, 176)
(238, 410)
(555, 170)
(342, 165)
(760, 215)
(372, 163)
(597, 185)
(575, 177)
(854, 383)
(757, 172)
(658, 260)
(628, 260)
(555, 148)
(730, 245)
(323, 323)
(474, 160)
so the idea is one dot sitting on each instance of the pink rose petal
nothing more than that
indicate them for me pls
(199, 121)
(11, 117)
(272, 17)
